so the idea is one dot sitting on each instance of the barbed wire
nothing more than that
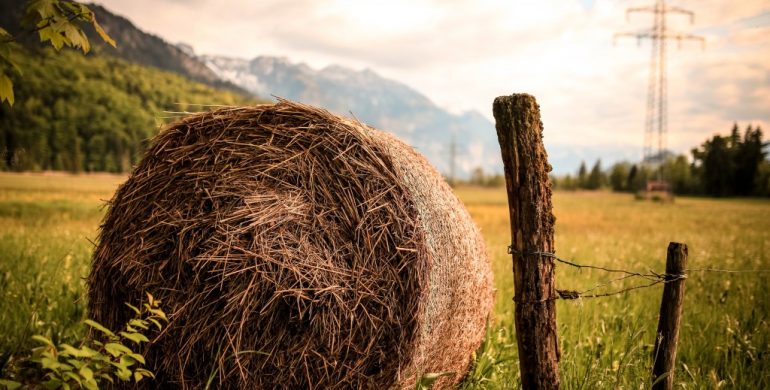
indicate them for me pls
(729, 271)
(654, 277)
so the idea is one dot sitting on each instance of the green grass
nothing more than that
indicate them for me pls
(607, 342)
(46, 223)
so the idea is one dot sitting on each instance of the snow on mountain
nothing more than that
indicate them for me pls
(375, 100)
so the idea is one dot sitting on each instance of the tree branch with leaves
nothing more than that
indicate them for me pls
(58, 22)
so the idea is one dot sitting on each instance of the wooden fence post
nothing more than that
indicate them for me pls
(519, 131)
(667, 337)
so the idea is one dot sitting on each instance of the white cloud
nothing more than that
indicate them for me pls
(463, 53)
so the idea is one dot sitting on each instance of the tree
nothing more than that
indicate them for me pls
(730, 165)
(680, 175)
(717, 167)
(568, 183)
(582, 176)
(632, 173)
(762, 181)
(496, 180)
(596, 178)
(618, 176)
(735, 136)
(55, 21)
(477, 176)
(748, 156)
(637, 177)
(67, 100)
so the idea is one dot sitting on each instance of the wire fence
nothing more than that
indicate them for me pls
(652, 277)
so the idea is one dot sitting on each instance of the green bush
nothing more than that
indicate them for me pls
(106, 356)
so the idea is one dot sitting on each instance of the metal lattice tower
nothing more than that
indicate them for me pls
(452, 158)
(656, 120)
(454, 152)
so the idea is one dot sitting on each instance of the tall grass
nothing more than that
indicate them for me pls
(607, 342)
(46, 223)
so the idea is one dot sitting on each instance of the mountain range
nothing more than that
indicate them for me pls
(374, 100)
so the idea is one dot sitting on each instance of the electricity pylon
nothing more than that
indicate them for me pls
(453, 153)
(452, 158)
(656, 120)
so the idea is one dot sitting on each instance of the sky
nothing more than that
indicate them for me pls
(464, 53)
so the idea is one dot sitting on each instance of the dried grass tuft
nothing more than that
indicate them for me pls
(293, 249)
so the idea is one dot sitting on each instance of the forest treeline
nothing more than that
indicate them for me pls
(724, 165)
(92, 113)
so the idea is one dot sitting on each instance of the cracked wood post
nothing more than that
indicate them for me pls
(520, 133)
(667, 337)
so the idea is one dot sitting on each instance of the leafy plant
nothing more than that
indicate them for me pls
(55, 21)
(109, 357)
(495, 352)
(426, 380)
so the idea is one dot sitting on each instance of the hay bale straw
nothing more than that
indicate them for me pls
(293, 249)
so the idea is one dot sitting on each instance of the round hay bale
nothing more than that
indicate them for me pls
(293, 249)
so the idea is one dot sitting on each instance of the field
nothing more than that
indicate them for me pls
(47, 223)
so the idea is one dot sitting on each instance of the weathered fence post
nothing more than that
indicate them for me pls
(664, 354)
(519, 131)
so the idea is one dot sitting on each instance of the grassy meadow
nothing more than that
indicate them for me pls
(47, 223)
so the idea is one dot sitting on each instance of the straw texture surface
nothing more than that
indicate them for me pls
(293, 249)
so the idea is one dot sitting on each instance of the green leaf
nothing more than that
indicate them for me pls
(8, 52)
(44, 340)
(84, 10)
(50, 363)
(9, 384)
(99, 327)
(86, 373)
(75, 36)
(137, 311)
(139, 323)
(69, 351)
(44, 8)
(659, 379)
(6, 89)
(49, 34)
(107, 377)
(116, 349)
(76, 10)
(100, 360)
(135, 337)
(74, 377)
(426, 381)
(123, 372)
(146, 372)
(91, 384)
(139, 358)
(102, 33)
(127, 361)
(151, 300)
(159, 313)
(54, 384)
(83, 352)
(73, 363)
(156, 322)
